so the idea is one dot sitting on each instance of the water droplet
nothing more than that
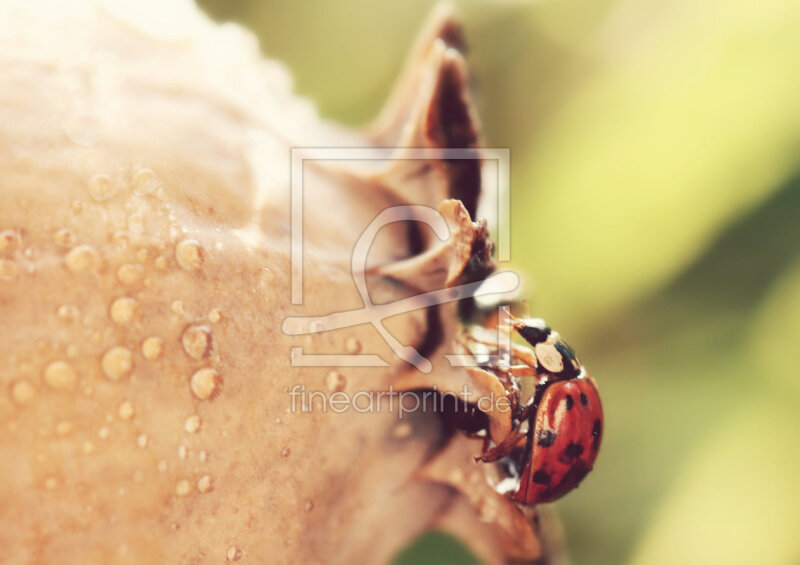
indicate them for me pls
(64, 427)
(88, 447)
(103, 433)
(202, 456)
(141, 255)
(336, 381)
(205, 484)
(162, 466)
(267, 276)
(125, 411)
(117, 363)
(9, 241)
(286, 452)
(51, 483)
(183, 487)
(177, 307)
(68, 313)
(205, 383)
(352, 345)
(309, 506)
(152, 348)
(215, 315)
(123, 310)
(120, 239)
(161, 263)
(81, 259)
(65, 237)
(59, 375)
(197, 341)
(22, 393)
(182, 452)
(129, 274)
(8, 270)
(144, 182)
(192, 424)
(101, 188)
(189, 254)
(136, 223)
(234, 553)
(77, 206)
(141, 441)
(402, 430)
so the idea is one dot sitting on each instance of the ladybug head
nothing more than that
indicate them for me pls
(532, 330)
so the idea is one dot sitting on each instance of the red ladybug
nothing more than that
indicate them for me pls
(564, 417)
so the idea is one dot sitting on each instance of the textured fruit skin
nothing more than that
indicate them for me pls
(565, 439)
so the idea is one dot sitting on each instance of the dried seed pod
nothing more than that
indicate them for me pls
(161, 149)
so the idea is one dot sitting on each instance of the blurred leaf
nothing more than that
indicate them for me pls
(691, 120)
(734, 274)
(436, 548)
(775, 335)
(736, 501)
(679, 363)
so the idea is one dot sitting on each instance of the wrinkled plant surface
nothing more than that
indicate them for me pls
(145, 413)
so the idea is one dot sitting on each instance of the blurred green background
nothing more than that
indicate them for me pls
(656, 215)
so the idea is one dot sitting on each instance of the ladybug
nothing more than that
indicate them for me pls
(552, 454)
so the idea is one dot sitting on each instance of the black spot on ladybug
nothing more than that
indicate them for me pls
(596, 429)
(574, 476)
(573, 450)
(534, 335)
(569, 402)
(584, 400)
(547, 437)
(541, 478)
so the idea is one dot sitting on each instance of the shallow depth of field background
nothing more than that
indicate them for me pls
(656, 217)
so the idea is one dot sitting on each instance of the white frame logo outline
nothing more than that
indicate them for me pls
(504, 281)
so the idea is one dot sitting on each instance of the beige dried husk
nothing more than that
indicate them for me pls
(145, 414)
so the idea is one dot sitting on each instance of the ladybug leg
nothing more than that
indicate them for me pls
(527, 414)
(523, 414)
(525, 354)
(486, 442)
(512, 440)
(504, 449)
(522, 371)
